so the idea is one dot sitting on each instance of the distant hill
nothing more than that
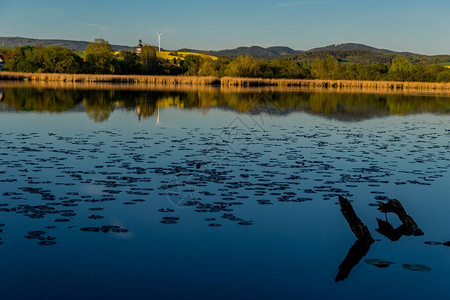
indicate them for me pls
(73, 45)
(362, 54)
(279, 51)
(353, 46)
(367, 56)
(254, 51)
(344, 53)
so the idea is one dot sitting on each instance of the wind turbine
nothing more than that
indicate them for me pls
(159, 40)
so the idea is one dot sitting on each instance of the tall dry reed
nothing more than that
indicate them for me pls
(231, 82)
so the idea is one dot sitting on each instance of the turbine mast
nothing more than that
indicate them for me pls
(159, 40)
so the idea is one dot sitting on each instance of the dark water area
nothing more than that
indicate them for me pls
(200, 194)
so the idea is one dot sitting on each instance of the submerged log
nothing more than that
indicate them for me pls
(360, 230)
(408, 227)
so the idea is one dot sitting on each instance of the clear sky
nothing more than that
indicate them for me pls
(403, 25)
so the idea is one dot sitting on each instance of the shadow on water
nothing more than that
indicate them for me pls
(100, 104)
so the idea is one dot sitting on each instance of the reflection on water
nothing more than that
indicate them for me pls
(100, 104)
(240, 202)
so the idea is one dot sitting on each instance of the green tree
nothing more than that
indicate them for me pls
(51, 59)
(434, 72)
(401, 69)
(318, 69)
(148, 60)
(100, 58)
(207, 67)
(444, 76)
(128, 63)
(221, 65)
(21, 60)
(55, 59)
(191, 65)
(327, 68)
(244, 66)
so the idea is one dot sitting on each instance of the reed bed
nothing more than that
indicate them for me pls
(337, 84)
(134, 79)
(232, 82)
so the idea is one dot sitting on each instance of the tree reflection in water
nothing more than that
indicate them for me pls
(99, 104)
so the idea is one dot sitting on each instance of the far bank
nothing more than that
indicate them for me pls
(381, 86)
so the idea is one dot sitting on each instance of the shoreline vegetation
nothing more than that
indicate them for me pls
(232, 82)
(321, 68)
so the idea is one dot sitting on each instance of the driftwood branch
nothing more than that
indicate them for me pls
(360, 230)
(362, 233)
(360, 247)
(408, 227)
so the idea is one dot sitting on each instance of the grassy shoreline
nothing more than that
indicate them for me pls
(231, 82)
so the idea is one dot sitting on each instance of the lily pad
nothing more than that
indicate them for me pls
(416, 267)
(433, 243)
(47, 243)
(215, 225)
(379, 263)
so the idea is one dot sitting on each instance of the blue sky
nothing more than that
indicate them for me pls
(403, 25)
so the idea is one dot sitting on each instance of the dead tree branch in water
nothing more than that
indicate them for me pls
(408, 227)
(361, 246)
(360, 230)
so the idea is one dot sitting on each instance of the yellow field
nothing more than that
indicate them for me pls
(166, 54)
(447, 67)
(180, 55)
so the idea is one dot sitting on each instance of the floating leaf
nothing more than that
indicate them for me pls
(215, 225)
(433, 243)
(47, 243)
(416, 267)
(379, 263)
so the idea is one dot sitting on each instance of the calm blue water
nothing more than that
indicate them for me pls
(208, 199)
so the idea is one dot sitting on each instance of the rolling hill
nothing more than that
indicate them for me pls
(345, 53)
(254, 51)
(353, 46)
(73, 45)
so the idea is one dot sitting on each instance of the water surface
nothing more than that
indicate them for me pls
(122, 193)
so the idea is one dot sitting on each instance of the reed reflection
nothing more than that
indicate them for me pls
(99, 104)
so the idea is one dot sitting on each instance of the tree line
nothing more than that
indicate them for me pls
(99, 58)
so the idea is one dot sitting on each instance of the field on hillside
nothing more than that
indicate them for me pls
(169, 55)
(180, 55)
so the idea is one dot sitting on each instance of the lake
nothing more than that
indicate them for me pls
(123, 192)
